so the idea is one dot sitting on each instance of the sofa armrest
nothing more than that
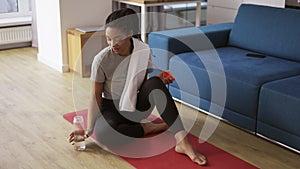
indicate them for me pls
(165, 44)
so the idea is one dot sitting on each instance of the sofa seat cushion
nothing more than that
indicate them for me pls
(244, 76)
(268, 30)
(279, 109)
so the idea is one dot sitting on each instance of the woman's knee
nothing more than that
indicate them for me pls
(154, 82)
(107, 133)
(103, 130)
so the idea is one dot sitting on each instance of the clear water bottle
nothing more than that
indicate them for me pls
(79, 139)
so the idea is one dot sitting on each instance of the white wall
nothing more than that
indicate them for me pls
(33, 25)
(54, 17)
(275, 3)
(220, 11)
(49, 33)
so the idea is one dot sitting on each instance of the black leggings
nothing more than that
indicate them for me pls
(112, 125)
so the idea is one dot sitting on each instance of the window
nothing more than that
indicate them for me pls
(15, 8)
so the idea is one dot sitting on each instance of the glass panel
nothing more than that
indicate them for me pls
(8, 6)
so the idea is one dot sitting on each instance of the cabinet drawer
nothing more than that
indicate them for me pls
(234, 4)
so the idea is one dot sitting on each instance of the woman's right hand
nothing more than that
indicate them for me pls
(77, 136)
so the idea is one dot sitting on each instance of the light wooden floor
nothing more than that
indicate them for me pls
(33, 98)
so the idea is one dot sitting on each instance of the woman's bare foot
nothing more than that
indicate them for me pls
(150, 128)
(183, 146)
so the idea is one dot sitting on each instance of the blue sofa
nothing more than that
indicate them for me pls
(246, 73)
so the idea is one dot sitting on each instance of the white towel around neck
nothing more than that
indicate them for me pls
(135, 76)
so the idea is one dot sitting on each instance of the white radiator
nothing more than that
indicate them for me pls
(19, 34)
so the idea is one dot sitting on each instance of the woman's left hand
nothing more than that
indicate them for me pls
(166, 76)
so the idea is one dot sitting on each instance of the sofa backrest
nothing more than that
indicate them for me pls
(268, 30)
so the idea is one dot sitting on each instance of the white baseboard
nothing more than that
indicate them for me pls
(65, 68)
(59, 67)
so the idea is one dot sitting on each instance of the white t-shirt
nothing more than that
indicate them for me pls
(112, 69)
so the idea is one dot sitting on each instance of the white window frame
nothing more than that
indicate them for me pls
(23, 10)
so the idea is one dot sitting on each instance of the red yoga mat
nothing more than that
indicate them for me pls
(217, 158)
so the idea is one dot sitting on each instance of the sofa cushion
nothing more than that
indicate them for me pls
(268, 30)
(244, 76)
(279, 110)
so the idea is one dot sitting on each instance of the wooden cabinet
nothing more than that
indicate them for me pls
(221, 11)
(82, 48)
(292, 3)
